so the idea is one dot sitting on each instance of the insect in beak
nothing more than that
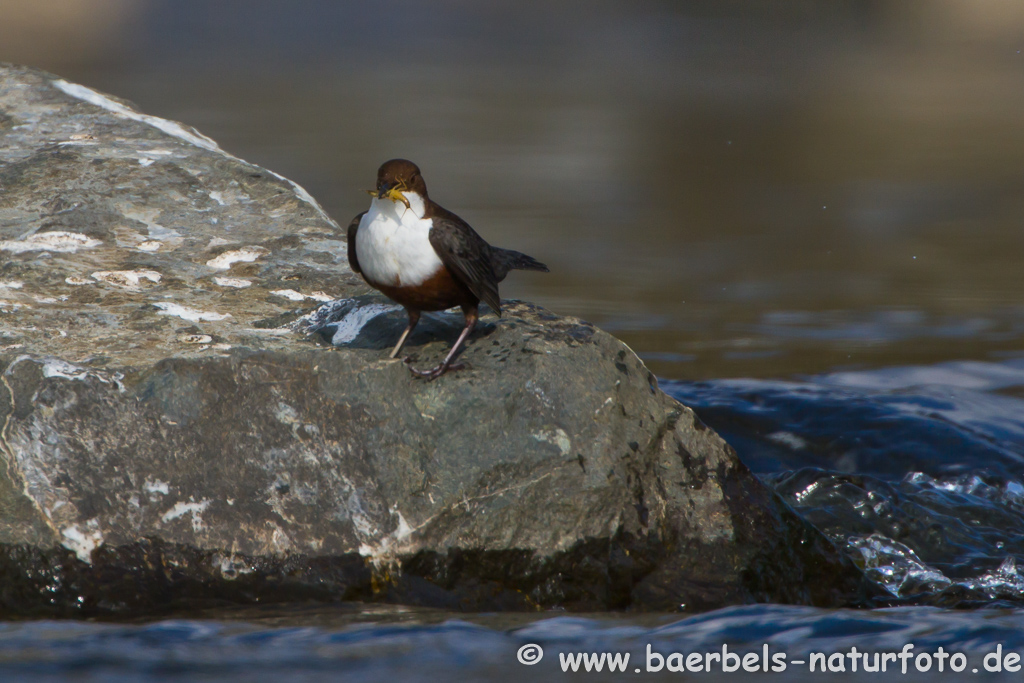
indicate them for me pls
(395, 195)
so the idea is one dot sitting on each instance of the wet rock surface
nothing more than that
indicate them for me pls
(196, 407)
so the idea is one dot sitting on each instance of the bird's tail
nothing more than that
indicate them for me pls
(505, 260)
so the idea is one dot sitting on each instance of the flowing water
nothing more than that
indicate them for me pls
(805, 217)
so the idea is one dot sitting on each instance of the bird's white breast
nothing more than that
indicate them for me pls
(393, 243)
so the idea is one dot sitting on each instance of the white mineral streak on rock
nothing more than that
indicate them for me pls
(299, 296)
(149, 245)
(403, 530)
(289, 294)
(191, 508)
(12, 284)
(170, 127)
(245, 254)
(126, 278)
(272, 331)
(157, 486)
(79, 281)
(389, 544)
(57, 241)
(78, 140)
(176, 130)
(146, 157)
(54, 367)
(82, 541)
(168, 308)
(237, 283)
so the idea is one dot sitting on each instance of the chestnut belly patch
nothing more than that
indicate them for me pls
(437, 293)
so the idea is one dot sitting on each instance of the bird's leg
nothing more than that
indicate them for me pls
(414, 317)
(470, 312)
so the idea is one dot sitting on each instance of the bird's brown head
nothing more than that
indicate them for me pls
(398, 176)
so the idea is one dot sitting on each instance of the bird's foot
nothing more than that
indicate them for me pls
(433, 373)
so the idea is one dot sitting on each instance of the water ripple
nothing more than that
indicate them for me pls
(918, 472)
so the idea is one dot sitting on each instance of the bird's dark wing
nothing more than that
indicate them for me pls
(353, 260)
(467, 256)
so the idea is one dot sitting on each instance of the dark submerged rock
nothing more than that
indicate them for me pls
(172, 438)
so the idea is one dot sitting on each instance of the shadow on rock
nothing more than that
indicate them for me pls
(374, 322)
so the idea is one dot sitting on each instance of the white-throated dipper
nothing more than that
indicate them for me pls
(425, 257)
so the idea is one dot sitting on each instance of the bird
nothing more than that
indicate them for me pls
(425, 258)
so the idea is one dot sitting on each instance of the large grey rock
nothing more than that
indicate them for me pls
(172, 434)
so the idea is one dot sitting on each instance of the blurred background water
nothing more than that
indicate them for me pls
(734, 187)
(804, 216)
